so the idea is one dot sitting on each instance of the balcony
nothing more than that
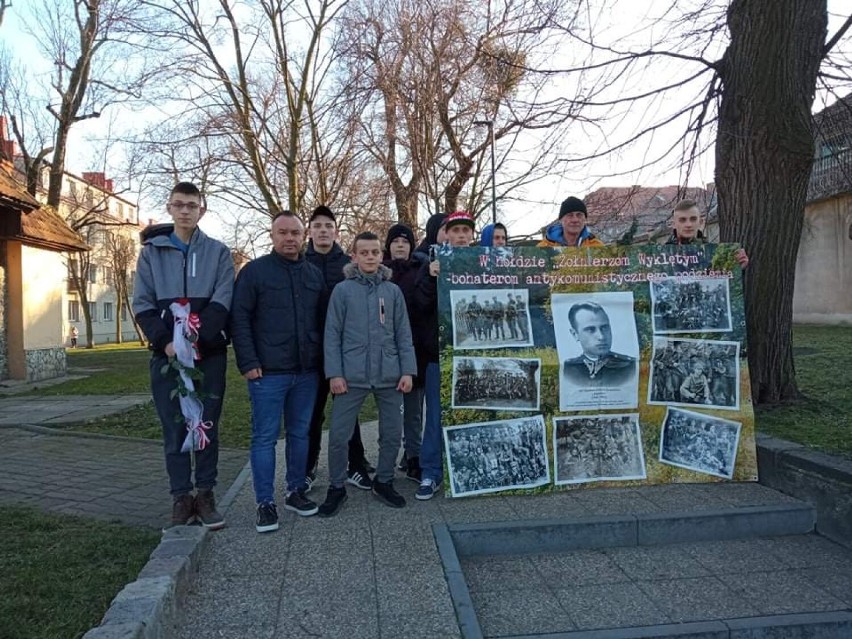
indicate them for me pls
(831, 175)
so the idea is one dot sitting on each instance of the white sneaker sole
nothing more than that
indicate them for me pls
(302, 513)
(267, 528)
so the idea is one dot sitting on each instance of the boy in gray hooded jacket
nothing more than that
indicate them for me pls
(368, 349)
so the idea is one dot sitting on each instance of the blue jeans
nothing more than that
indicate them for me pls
(292, 395)
(431, 450)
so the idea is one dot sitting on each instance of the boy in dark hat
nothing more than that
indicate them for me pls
(404, 263)
(570, 229)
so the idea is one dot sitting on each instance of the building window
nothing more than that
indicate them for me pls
(72, 269)
(93, 273)
(107, 275)
(123, 313)
(72, 186)
(93, 311)
(120, 211)
(73, 311)
(107, 311)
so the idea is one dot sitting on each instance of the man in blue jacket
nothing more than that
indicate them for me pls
(276, 325)
(178, 261)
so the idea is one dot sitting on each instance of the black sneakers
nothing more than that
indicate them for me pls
(299, 504)
(205, 510)
(334, 499)
(359, 479)
(385, 492)
(267, 518)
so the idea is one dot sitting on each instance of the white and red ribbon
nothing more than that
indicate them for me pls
(185, 340)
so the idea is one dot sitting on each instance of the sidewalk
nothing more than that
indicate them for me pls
(376, 572)
(112, 478)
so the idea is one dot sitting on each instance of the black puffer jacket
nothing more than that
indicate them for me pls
(278, 315)
(330, 264)
(405, 274)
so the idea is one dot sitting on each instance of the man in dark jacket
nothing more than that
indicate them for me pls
(276, 323)
(178, 261)
(325, 253)
(686, 226)
(405, 265)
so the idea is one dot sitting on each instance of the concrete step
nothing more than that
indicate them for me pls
(746, 569)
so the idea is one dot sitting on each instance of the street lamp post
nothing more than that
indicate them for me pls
(490, 125)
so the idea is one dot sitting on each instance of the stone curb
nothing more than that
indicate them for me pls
(817, 478)
(67, 432)
(647, 529)
(145, 608)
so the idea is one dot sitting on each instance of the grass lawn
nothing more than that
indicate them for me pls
(823, 420)
(124, 369)
(59, 573)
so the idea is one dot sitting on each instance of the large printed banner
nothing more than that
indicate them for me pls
(575, 367)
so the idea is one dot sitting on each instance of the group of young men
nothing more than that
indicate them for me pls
(306, 323)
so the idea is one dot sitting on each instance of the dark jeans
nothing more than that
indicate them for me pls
(356, 446)
(178, 464)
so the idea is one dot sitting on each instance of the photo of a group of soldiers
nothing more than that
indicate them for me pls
(699, 442)
(496, 383)
(691, 372)
(598, 448)
(691, 305)
(493, 456)
(490, 318)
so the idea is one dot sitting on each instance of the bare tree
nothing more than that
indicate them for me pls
(741, 78)
(4, 4)
(424, 73)
(121, 254)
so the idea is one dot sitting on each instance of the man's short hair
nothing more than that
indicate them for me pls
(364, 235)
(500, 225)
(283, 214)
(188, 188)
(322, 211)
(684, 205)
(592, 307)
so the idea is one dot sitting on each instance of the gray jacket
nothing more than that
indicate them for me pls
(367, 334)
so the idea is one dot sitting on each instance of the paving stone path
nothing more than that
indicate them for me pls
(111, 478)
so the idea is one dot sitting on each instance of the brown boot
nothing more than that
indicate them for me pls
(183, 511)
(205, 510)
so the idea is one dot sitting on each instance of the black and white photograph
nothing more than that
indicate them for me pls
(699, 442)
(491, 318)
(492, 456)
(598, 348)
(598, 448)
(694, 372)
(691, 305)
(499, 383)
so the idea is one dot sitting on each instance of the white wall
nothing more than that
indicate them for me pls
(43, 279)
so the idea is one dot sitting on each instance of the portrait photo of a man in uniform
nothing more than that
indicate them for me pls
(595, 373)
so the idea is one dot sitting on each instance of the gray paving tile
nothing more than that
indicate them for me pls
(698, 599)
(810, 551)
(234, 551)
(656, 562)
(496, 574)
(609, 606)
(419, 590)
(578, 568)
(615, 501)
(469, 510)
(399, 623)
(746, 493)
(736, 556)
(560, 505)
(682, 497)
(249, 601)
(783, 592)
(498, 613)
(336, 613)
(240, 631)
(834, 581)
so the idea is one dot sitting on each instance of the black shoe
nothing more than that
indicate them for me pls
(385, 492)
(413, 472)
(299, 504)
(267, 518)
(359, 479)
(334, 499)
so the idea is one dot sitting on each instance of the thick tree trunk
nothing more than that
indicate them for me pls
(764, 153)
